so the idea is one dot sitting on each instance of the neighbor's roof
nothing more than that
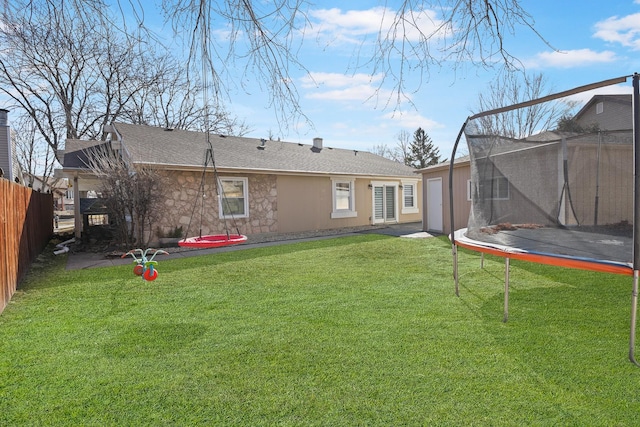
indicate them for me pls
(622, 99)
(77, 153)
(180, 149)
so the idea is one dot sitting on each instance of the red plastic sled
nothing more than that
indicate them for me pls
(212, 241)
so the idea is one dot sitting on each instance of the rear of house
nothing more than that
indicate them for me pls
(269, 186)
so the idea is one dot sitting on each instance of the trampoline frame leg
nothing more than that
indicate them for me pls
(634, 311)
(506, 290)
(454, 252)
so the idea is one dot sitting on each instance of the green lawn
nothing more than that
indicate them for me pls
(362, 330)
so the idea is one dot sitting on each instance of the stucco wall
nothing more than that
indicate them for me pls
(306, 202)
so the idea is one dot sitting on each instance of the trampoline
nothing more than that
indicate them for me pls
(554, 246)
(561, 197)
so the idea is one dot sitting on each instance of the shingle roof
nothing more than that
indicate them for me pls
(78, 153)
(186, 149)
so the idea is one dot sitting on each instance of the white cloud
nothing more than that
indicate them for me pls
(571, 58)
(352, 93)
(321, 79)
(623, 30)
(349, 26)
(412, 120)
(360, 88)
(621, 89)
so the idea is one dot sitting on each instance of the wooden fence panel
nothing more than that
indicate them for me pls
(26, 225)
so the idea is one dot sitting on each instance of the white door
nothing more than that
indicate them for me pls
(434, 204)
(384, 203)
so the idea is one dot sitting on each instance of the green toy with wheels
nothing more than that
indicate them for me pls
(145, 267)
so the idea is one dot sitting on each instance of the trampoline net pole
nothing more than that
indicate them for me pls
(634, 311)
(452, 225)
(636, 215)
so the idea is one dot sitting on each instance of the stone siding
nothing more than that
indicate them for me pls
(182, 205)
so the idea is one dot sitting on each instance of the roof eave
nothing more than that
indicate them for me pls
(227, 169)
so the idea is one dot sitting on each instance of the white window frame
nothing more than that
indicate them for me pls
(350, 212)
(498, 179)
(599, 107)
(245, 195)
(413, 208)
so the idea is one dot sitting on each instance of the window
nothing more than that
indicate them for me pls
(409, 197)
(343, 198)
(234, 200)
(496, 188)
(98, 219)
(599, 108)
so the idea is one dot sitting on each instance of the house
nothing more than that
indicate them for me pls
(608, 112)
(59, 187)
(605, 198)
(272, 186)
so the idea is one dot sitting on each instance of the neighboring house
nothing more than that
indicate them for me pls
(608, 112)
(278, 187)
(545, 153)
(57, 186)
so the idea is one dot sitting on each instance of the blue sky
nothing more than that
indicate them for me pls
(595, 41)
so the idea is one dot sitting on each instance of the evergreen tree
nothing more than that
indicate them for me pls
(422, 152)
(567, 123)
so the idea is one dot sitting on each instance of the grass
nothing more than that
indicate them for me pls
(362, 330)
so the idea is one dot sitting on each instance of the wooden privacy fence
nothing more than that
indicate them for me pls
(26, 225)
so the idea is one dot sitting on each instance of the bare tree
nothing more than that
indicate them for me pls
(72, 68)
(382, 150)
(174, 101)
(402, 151)
(35, 157)
(48, 67)
(131, 193)
(399, 153)
(513, 88)
(412, 39)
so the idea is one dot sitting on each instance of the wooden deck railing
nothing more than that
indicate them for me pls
(26, 225)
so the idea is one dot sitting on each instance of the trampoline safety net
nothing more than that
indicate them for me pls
(565, 191)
